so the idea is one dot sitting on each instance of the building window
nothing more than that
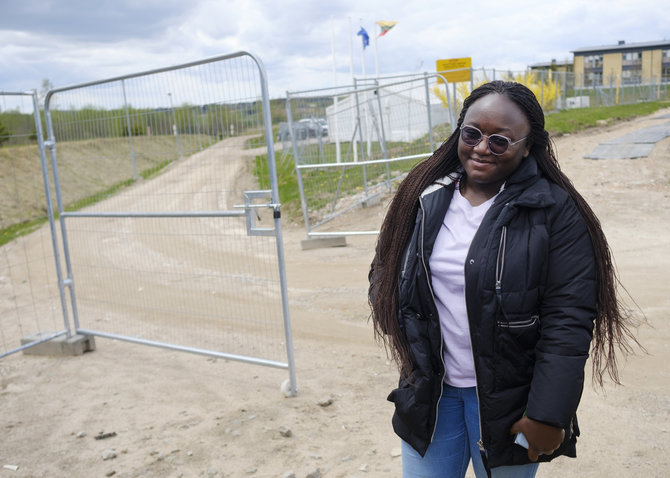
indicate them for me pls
(593, 62)
(631, 58)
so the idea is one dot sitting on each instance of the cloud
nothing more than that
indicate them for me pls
(73, 41)
(99, 21)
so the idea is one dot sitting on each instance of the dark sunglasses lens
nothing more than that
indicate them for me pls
(470, 136)
(498, 144)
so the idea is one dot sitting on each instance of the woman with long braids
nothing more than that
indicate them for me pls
(492, 281)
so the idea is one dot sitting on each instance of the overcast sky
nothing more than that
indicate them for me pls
(75, 41)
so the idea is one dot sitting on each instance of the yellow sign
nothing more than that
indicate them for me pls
(462, 66)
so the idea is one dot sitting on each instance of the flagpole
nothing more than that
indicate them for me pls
(362, 53)
(336, 119)
(353, 82)
(351, 49)
(376, 57)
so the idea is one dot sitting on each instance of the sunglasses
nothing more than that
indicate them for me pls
(498, 144)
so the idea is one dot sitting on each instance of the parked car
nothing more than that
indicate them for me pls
(303, 129)
(315, 126)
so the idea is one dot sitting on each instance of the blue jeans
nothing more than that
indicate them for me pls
(455, 442)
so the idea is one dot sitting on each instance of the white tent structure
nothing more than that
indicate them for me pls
(392, 114)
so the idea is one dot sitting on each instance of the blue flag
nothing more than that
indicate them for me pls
(364, 35)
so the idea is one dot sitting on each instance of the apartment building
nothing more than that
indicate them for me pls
(623, 63)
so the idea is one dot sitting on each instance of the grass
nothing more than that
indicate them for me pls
(575, 120)
(10, 233)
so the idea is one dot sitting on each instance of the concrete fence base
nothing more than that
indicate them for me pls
(60, 346)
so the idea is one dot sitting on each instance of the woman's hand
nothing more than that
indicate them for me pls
(542, 439)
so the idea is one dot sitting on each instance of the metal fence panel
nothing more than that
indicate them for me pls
(30, 304)
(171, 226)
(352, 144)
(559, 90)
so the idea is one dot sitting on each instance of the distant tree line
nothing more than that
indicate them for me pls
(218, 120)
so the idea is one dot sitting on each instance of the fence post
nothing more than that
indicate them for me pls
(430, 121)
(301, 188)
(69, 280)
(564, 90)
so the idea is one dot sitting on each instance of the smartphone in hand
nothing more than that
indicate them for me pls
(520, 439)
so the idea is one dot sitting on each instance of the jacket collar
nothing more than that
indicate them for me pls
(529, 186)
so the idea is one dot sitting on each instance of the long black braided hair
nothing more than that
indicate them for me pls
(613, 328)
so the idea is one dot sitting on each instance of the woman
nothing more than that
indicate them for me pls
(490, 279)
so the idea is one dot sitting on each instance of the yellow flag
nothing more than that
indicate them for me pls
(385, 27)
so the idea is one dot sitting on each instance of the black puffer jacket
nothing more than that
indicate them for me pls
(530, 285)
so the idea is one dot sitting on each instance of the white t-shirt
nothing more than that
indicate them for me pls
(447, 266)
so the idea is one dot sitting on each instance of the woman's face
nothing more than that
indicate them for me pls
(493, 114)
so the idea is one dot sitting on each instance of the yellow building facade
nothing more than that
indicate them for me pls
(623, 63)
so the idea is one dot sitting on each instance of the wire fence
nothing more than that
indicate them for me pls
(30, 303)
(352, 144)
(560, 90)
(169, 223)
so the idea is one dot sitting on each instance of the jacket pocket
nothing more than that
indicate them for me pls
(514, 350)
(412, 401)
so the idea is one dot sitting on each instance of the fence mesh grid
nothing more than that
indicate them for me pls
(153, 170)
(29, 295)
(352, 144)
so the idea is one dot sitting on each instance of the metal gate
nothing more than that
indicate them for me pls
(170, 221)
(30, 305)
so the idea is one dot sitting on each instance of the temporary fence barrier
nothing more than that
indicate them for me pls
(30, 306)
(560, 90)
(352, 144)
(170, 222)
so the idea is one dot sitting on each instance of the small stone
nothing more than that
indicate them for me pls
(325, 402)
(364, 468)
(314, 474)
(212, 472)
(285, 432)
(81, 434)
(111, 473)
(109, 454)
(289, 474)
(252, 470)
(396, 452)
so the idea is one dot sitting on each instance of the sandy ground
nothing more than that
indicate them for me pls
(182, 415)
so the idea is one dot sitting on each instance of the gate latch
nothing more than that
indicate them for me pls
(254, 202)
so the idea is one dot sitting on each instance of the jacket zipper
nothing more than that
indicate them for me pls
(500, 263)
(432, 294)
